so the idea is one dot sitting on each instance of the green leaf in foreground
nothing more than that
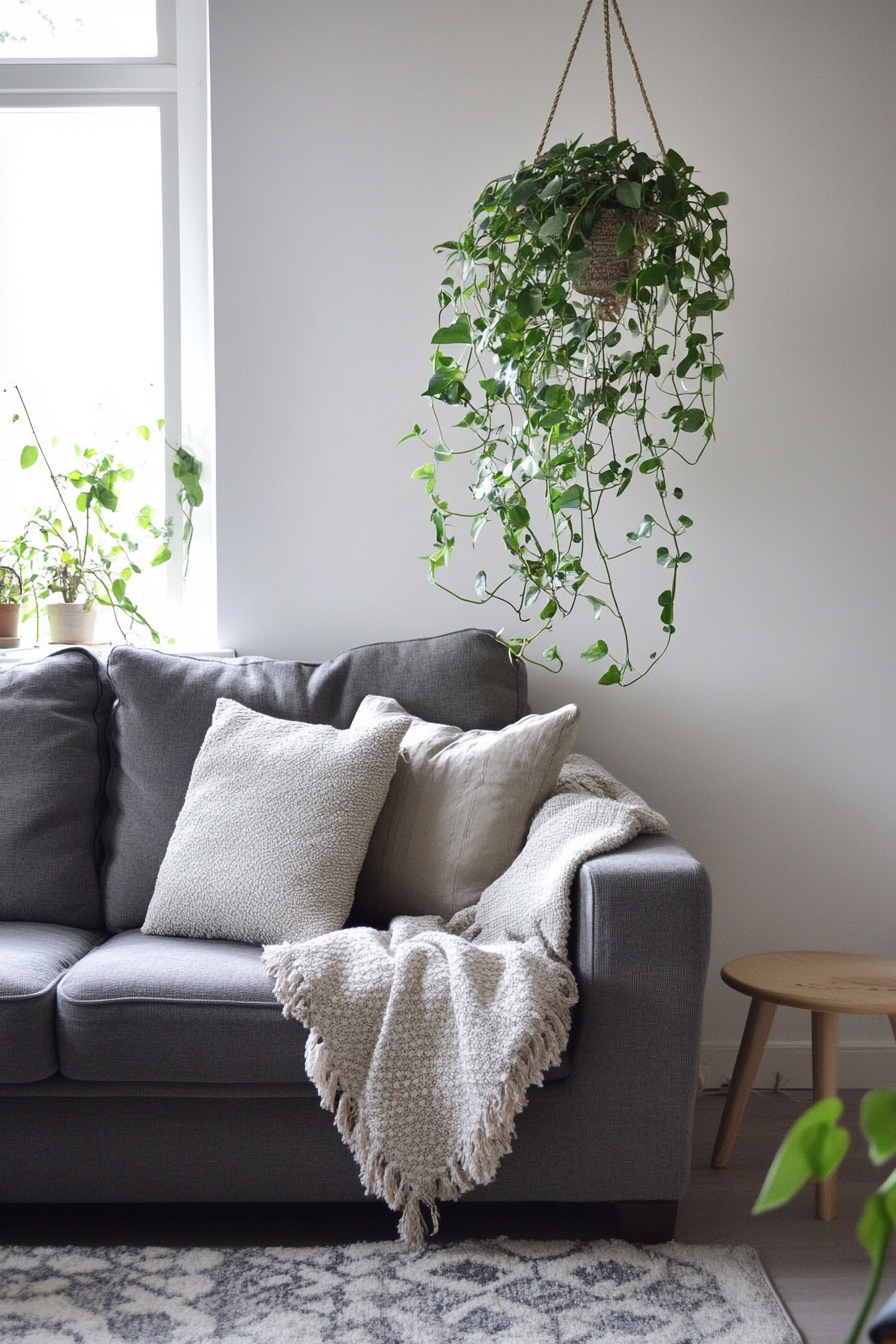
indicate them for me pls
(812, 1151)
(879, 1124)
(29, 455)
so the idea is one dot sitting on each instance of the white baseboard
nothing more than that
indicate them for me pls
(789, 1064)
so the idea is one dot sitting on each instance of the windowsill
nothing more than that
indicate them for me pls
(27, 653)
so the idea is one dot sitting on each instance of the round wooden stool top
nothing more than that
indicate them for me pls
(825, 982)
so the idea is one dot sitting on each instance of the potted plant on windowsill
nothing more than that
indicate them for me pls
(73, 550)
(10, 605)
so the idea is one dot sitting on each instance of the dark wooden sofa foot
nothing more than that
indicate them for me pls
(647, 1221)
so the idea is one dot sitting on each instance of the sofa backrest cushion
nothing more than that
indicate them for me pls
(165, 705)
(53, 715)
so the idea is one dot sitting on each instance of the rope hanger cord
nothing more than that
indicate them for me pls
(610, 84)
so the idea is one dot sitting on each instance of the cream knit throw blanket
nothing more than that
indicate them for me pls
(425, 1037)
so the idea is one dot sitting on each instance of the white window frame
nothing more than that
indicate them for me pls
(176, 82)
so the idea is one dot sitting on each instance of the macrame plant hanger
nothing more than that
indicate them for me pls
(606, 276)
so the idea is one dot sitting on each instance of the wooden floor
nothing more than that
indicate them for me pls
(819, 1269)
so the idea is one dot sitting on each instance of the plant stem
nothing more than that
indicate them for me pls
(870, 1294)
(46, 461)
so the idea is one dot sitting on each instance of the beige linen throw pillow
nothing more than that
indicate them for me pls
(457, 811)
(274, 827)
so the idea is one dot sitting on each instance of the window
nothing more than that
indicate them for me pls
(105, 298)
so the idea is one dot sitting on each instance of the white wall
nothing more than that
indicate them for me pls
(351, 136)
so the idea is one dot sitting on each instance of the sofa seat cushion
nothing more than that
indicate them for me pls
(33, 958)
(145, 1009)
(165, 706)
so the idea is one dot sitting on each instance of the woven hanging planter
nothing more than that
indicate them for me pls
(606, 272)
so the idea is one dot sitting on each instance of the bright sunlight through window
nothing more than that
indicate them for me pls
(81, 311)
(68, 29)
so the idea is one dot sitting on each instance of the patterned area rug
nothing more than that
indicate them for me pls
(380, 1293)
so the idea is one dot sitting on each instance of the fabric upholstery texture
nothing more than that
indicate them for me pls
(458, 810)
(33, 958)
(617, 1128)
(176, 1010)
(52, 764)
(165, 706)
(274, 828)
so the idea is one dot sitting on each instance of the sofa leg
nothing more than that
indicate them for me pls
(647, 1221)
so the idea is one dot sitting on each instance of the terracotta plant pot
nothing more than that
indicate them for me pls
(9, 619)
(71, 622)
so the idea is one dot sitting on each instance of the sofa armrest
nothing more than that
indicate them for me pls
(639, 949)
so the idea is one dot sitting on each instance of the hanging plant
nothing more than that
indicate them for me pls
(577, 336)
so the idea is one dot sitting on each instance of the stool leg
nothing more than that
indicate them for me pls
(825, 1041)
(893, 1025)
(759, 1022)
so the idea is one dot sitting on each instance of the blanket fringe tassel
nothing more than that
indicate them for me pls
(477, 1161)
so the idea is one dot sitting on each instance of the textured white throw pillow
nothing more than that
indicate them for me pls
(458, 809)
(274, 827)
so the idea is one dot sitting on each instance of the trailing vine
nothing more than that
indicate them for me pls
(570, 404)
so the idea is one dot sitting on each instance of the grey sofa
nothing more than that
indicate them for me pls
(137, 1068)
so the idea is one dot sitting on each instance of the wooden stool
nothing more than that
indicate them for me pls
(828, 984)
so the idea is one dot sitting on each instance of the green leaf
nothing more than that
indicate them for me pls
(720, 198)
(477, 525)
(552, 654)
(143, 431)
(549, 610)
(629, 193)
(612, 677)
(812, 1150)
(118, 589)
(423, 473)
(652, 464)
(692, 420)
(523, 192)
(553, 188)
(879, 1124)
(597, 604)
(569, 499)
(442, 453)
(876, 1226)
(626, 239)
(713, 371)
(645, 530)
(161, 555)
(82, 501)
(529, 301)
(553, 226)
(596, 651)
(458, 333)
(480, 585)
(29, 456)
